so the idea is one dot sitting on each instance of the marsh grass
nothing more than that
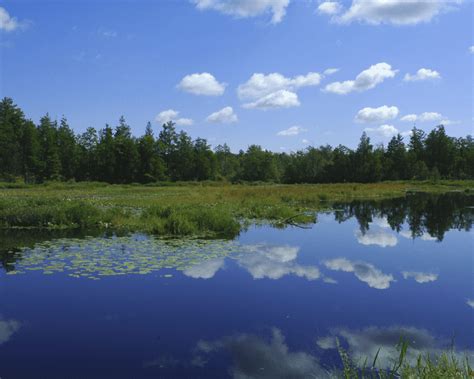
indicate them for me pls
(445, 365)
(177, 209)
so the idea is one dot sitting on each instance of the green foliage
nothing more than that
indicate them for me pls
(45, 152)
(205, 208)
(446, 365)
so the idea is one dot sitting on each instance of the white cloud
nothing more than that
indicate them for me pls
(274, 262)
(380, 114)
(172, 115)
(364, 271)
(470, 303)
(366, 80)
(7, 329)
(409, 118)
(329, 7)
(447, 122)
(429, 116)
(278, 99)
(8, 23)
(420, 277)
(305, 141)
(202, 84)
(206, 269)
(383, 131)
(260, 85)
(396, 12)
(376, 237)
(224, 116)
(246, 8)
(330, 71)
(423, 117)
(291, 131)
(422, 74)
(471, 49)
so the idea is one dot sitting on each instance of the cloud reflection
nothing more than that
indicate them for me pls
(254, 357)
(206, 269)
(420, 277)
(365, 343)
(365, 272)
(7, 329)
(377, 234)
(274, 262)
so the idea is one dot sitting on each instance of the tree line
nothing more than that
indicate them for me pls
(52, 151)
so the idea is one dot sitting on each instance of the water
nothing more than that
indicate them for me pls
(269, 304)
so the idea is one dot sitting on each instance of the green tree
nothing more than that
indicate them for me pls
(11, 123)
(67, 150)
(152, 167)
(126, 153)
(50, 168)
(396, 159)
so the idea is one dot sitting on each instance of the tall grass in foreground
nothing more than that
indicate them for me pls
(443, 366)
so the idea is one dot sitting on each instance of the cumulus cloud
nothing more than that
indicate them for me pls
(409, 118)
(470, 302)
(202, 84)
(304, 141)
(224, 116)
(366, 80)
(383, 341)
(420, 277)
(254, 357)
(329, 7)
(364, 271)
(380, 114)
(376, 237)
(7, 329)
(330, 71)
(423, 117)
(206, 269)
(291, 131)
(274, 262)
(383, 131)
(246, 8)
(172, 115)
(395, 12)
(422, 74)
(278, 99)
(471, 49)
(7, 22)
(260, 85)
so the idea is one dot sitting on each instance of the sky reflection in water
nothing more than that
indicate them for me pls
(269, 304)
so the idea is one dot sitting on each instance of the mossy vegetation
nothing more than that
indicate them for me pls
(204, 209)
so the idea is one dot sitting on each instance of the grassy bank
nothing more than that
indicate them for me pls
(185, 209)
(441, 365)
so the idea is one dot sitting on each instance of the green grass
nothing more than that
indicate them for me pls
(204, 209)
(445, 365)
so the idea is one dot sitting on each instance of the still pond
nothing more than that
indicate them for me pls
(268, 304)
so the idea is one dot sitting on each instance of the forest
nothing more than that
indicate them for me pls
(52, 151)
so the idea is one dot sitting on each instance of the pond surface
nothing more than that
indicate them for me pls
(269, 304)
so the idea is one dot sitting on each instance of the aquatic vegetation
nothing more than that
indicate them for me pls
(199, 209)
(94, 258)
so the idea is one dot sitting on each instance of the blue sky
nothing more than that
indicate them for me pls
(244, 71)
